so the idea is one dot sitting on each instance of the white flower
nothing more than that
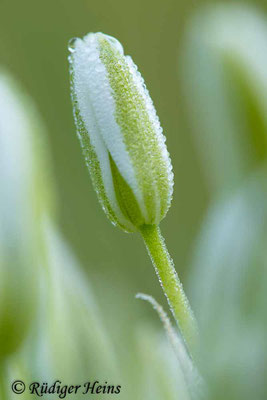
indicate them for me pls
(120, 133)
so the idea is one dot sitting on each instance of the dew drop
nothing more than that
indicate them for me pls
(115, 43)
(71, 44)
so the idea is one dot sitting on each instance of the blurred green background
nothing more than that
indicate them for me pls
(33, 46)
(34, 36)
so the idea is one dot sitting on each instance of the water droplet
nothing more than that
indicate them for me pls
(115, 43)
(71, 44)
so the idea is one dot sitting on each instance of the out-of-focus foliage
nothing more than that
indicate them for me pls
(24, 195)
(160, 375)
(70, 319)
(229, 295)
(225, 78)
(68, 340)
(224, 58)
(225, 63)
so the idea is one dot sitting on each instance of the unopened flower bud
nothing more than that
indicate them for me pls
(120, 133)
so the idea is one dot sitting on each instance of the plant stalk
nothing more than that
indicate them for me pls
(170, 283)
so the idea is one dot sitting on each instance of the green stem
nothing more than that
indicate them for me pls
(170, 283)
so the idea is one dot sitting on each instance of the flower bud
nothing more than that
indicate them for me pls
(120, 133)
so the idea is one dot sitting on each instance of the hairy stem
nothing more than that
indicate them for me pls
(170, 283)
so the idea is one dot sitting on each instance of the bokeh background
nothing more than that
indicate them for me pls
(33, 46)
